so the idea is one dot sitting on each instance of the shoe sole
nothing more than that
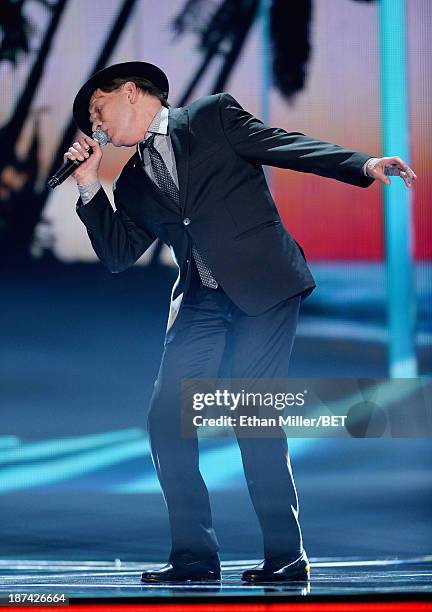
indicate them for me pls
(303, 577)
(208, 578)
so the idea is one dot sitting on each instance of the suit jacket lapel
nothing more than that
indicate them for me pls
(178, 126)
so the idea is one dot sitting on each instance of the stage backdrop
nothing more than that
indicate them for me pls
(81, 347)
(339, 102)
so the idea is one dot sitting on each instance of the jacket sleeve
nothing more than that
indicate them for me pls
(259, 143)
(116, 239)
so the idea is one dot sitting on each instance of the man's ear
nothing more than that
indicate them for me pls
(131, 90)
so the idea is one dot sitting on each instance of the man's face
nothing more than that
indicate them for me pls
(112, 113)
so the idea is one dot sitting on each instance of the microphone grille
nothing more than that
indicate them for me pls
(101, 137)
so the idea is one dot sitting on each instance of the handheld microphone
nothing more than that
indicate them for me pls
(70, 166)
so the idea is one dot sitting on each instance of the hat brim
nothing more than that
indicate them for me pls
(144, 70)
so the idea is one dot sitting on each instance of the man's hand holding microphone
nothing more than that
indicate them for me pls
(82, 160)
(87, 172)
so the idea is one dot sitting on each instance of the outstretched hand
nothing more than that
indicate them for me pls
(383, 167)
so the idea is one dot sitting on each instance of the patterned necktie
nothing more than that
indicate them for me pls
(168, 186)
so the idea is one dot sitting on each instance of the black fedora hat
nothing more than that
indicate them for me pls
(127, 69)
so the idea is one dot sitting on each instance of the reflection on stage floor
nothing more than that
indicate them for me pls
(333, 577)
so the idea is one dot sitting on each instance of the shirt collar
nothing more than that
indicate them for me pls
(159, 123)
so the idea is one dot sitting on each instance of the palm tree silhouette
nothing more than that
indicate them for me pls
(221, 28)
(16, 29)
(21, 203)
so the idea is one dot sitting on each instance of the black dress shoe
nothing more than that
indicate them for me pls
(206, 570)
(278, 570)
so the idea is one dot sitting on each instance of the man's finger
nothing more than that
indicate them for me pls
(404, 166)
(81, 147)
(84, 144)
(389, 171)
(89, 141)
(406, 175)
(406, 178)
(383, 178)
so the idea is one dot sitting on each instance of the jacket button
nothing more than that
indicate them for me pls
(186, 221)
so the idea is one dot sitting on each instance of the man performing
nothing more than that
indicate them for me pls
(196, 182)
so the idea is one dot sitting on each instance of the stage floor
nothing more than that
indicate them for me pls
(330, 577)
